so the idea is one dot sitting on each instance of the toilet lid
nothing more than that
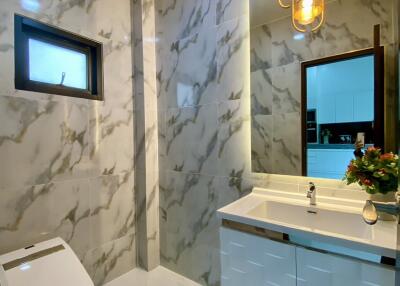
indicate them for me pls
(45, 264)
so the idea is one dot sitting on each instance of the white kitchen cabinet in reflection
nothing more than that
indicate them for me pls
(328, 163)
(342, 91)
(364, 106)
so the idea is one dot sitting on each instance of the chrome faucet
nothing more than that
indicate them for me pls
(312, 194)
(370, 211)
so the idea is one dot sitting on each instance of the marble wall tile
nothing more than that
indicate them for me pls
(262, 92)
(162, 139)
(189, 241)
(178, 19)
(153, 216)
(146, 156)
(114, 31)
(275, 182)
(343, 30)
(192, 139)
(147, 123)
(261, 143)
(276, 95)
(111, 260)
(286, 92)
(68, 163)
(42, 141)
(184, 82)
(290, 46)
(111, 203)
(147, 218)
(229, 9)
(233, 126)
(36, 213)
(260, 48)
(111, 129)
(190, 244)
(233, 59)
(286, 145)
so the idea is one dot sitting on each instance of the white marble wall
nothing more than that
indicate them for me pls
(203, 86)
(147, 182)
(66, 163)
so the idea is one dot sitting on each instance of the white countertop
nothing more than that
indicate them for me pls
(382, 241)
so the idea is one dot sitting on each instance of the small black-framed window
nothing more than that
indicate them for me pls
(55, 61)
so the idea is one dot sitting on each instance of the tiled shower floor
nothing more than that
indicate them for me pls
(158, 277)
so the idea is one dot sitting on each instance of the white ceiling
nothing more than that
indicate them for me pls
(266, 11)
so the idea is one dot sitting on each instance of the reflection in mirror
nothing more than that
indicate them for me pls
(279, 107)
(339, 112)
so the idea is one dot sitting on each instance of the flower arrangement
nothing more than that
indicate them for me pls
(373, 171)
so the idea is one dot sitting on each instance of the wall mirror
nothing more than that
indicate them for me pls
(338, 108)
(314, 94)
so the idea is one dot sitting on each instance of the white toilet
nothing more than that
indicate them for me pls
(50, 263)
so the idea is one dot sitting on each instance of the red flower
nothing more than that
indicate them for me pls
(352, 168)
(366, 182)
(387, 156)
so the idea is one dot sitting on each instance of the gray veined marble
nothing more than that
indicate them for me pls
(230, 9)
(33, 214)
(42, 141)
(192, 139)
(146, 132)
(345, 32)
(261, 92)
(260, 48)
(286, 91)
(233, 126)
(111, 201)
(179, 83)
(289, 46)
(184, 241)
(233, 59)
(178, 19)
(261, 143)
(190, 244)
(111, 129)
(111, 260)
(286, 144)
(68, 164)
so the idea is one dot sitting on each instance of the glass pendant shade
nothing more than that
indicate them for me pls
(307, 15)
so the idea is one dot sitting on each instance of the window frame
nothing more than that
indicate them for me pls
(26, 28)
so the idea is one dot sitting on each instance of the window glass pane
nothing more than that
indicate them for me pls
(55, 65)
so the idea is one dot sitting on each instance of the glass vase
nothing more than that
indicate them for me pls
(384, 198)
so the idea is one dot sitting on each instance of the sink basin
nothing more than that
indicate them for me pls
(317, 219)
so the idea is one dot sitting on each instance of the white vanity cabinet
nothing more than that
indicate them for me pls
(251, 260)
(248, 260)
(317, 269)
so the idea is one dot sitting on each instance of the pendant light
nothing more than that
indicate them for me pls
(307, 15)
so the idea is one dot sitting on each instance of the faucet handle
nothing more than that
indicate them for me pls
(370, 214)
(312, 186)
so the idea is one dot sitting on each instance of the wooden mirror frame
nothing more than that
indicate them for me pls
(379, 93)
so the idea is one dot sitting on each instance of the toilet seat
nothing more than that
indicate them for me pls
(47, 263)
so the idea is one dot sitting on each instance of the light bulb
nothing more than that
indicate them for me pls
(306, 15)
